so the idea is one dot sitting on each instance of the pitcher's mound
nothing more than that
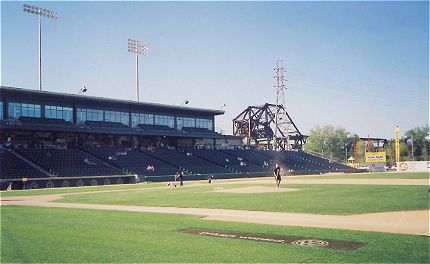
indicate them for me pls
(256, 189)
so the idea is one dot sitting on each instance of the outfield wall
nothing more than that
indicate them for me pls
(56, 182)
(413, 166)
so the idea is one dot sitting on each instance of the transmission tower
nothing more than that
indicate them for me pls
(269, 126)
(282, 121)
(280, 82)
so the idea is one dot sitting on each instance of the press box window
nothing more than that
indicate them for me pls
(89, 114)
(16, 110)
(59, 112)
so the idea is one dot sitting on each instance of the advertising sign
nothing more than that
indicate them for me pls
(376, 166)
(413, 166)
(372, 157)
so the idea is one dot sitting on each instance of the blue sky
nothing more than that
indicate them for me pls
(363, 66)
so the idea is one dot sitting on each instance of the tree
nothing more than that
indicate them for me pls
(333, 142)
(360, 150)
(329, 141)
(420, 138)
(390, 149)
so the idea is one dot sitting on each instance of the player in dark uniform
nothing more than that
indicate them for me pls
(277, 173)
(181, 178)
(210, 179)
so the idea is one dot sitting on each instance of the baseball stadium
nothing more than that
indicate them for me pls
(100, 179)
(89, 179)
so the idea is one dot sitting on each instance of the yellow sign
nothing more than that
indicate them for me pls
(397, 144)
(376, 157)
(24, 179)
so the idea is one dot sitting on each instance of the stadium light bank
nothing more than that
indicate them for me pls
(137, 47)
(45, 13)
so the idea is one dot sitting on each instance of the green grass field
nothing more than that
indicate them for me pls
(322, 199)
(35, 234)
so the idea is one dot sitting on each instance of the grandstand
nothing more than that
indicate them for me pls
(13, 167)
(132, 160)
(235, 163)
(52, 139)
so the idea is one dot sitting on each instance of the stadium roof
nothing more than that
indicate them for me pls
(107, 101)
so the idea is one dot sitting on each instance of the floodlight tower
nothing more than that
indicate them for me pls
(138, 47)
(40, 12)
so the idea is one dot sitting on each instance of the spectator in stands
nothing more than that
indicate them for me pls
(242, 163)
(277, 174)
(89, 162)
(227, 160)
(150, 167)
(9, 143)
(265, 164)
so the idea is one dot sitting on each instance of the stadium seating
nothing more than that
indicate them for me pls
(303, 161)
(12, 167)
(68, 162)
(283, 160)
(186, 161)
(325, 163)
(132, 160)
(236, 163)
(106, 161)
(253, 156)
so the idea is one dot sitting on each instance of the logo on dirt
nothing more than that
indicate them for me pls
(310, 243)
(270, 238)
